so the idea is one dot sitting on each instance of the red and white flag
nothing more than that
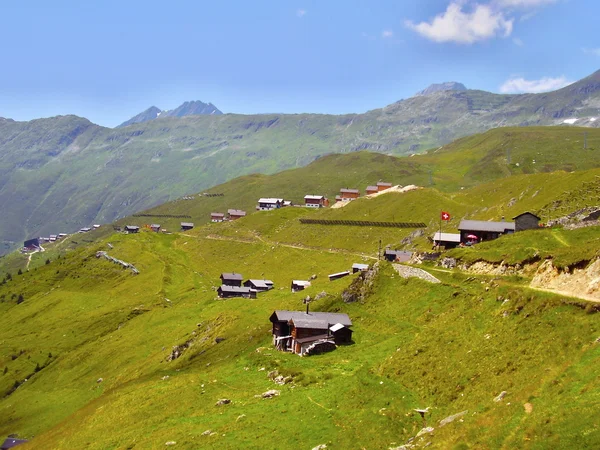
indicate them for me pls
(445, 215)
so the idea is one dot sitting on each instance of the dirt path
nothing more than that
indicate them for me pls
(589, 298)
(295, 246)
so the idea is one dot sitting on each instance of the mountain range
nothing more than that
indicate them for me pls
(61, 173)
(186, 109)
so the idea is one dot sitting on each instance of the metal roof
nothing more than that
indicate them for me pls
(446, 237)
(316, 317)
(270, 200)
(262, 283)
(383, 183)
(336, 327)
(301, 282)
(372, 188)
(360, 266)
(525, 213)
(482, 225)
(353, 191)
(236, 212)
(187, 224)
(314, 197)
(236, 289)
(340, 274)
(217, 214)
(232, 276)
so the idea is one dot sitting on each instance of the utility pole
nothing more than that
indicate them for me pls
(379, 251)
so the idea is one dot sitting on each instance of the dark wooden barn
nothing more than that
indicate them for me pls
(129, 229)
(302, 332)
(483, 230)
(232, 279)
(186, 226)
(236, 291)
(337, 276)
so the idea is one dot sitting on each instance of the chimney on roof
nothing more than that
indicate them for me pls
(503, 219)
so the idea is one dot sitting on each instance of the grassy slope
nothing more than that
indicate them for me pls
(447, 346)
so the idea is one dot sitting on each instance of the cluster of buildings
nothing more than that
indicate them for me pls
(232, 214)
(474, 231)
(348, 194)
(232, 285)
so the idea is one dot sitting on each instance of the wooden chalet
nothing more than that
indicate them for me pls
(155, 227)
(267, 203)
(236, 291)
(526, 221)
(481, 230)
(259, 285)
(397, 255)
(11, 443)
(217, 217)
(372, 190)
(235, 214)
(348, 194)
(130, 229)
(337, 276)
(299, 285)
(53, 237)
(315, 201)
(382, 186)
(446, 240)
(357, 267)
(306, 333)
(232, 279)
(186, 226)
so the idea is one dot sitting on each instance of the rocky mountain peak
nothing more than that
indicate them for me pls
(440, 87)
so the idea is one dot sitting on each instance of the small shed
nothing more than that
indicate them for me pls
(447, 240)
(397, 255)
(299, 285)
(11, 442)
(85, 230)
(155, 227)
(236, 291)
(186, 226)
(526, 221)
(217, 217)
(235, 214)
(357, 267)
(129, 229)
(231, 279)
(336, 276)
(341, 333)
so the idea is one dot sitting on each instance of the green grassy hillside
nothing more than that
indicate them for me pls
(93, 340)
(63, 173)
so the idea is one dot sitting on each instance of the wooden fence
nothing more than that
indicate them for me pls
(363, 223)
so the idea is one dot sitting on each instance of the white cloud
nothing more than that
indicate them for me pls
(523, 3)
(301, 13)
(387, 34)
(519, 85)
(591, 51)
(518, 42)
(456, 25)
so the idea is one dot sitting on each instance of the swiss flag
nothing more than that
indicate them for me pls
(445, 215)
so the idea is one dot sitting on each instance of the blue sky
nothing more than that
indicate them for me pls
(109, 60)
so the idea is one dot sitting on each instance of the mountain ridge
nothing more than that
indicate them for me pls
(66, 172)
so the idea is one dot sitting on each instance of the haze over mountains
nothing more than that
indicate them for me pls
(61, 173)
(186, 109)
